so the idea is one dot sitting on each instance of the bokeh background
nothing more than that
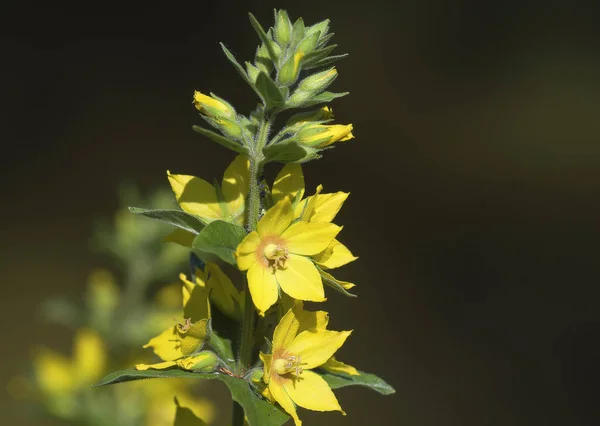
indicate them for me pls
(475, 181)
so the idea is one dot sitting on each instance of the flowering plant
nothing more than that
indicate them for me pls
(278, 355)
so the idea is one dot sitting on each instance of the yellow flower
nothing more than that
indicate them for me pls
(320, 208)
(200, 198)
(301, 343)
(322, 135)
(185, 338)
(222, 291)
(277, 255)
(59, 377)
(213, 106)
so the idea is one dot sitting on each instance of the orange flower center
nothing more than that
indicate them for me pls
(287, 364)
(273, 252)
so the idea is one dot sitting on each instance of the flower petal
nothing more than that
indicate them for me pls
(193, 338)
(276, 219)
(334, 256)
(263, 287)
(245, 253)
(157, 366)
(286, 330)
(166, 345)
(235, 187)
(222, 291)
(288, 183)
(300, 279)
(197, 307)
(335, 366)
(315, 347)
(280, 395)
(195, 196)
(309, 238)
(311, 391)
(327, 206)
(310, 320)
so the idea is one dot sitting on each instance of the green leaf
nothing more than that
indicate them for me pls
(328, 61)
(331, 282)
(269, 91)
(371, 381)
(177, 218)
(258, 411)
(263, 37)
(186, 417)
(235, 63)
(322, 98)
(290, 151)
(221, 140)
(221, 239)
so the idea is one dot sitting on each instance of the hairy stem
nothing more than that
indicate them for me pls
(246, 355)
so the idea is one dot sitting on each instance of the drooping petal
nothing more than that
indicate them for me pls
(288, 183)
(286, 330)
(281, 396)
(197, 307)
(166, 345)
(89, 356)
(309, 238)
(334, 366)
(245, 253)
(195, 196)
(263, 287)
(276, 219)
(300, 279)
(315, 347)
(157, 366)
(235, 187)
(222, 291)
(311, 391)
(334, 256)
(327, 206)
(193, 337)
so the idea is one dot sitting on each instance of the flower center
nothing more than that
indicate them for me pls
(276, 255)
(287, 364)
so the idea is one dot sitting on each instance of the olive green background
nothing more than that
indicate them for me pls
(474, 181)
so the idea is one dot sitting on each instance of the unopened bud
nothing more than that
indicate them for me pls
(282, 28)
(204, 361)
(308, 43)
(322, 135)
(288, 74)
(212, 106)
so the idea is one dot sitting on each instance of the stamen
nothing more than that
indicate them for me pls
(185, 326)
(276, 255)
(288, 364)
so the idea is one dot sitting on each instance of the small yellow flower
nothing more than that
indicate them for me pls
(185, 338)
(200, 198)
(301, 343)
(213, 106)
(277, 255)
(320, 208)
(322, 135)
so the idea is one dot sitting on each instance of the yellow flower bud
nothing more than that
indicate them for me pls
(322, 135)
(212, 106)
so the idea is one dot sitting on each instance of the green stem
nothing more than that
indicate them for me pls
(246, 355)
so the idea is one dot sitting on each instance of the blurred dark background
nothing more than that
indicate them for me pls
(475, 176)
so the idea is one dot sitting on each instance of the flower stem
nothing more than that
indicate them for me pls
(246, 355)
